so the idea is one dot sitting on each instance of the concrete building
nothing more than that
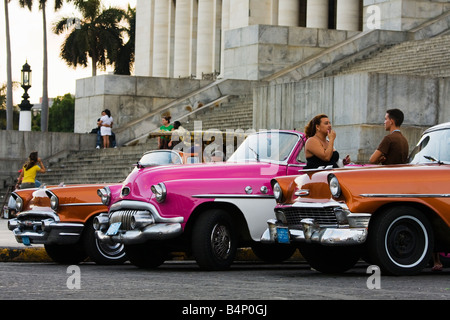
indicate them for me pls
(283, 56)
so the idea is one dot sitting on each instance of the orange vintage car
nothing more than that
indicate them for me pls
(393, 216)
(62, 217)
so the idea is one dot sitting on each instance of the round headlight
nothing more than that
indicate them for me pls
(159, 191)
(54, 202)
(277, 192)
(335, 188)
(19, 204)
(105, 195)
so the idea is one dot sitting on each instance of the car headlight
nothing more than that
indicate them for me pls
(277, 192)
(335, 188)
(105, 195)
(54, 202)
(159, 191)
(19, 204)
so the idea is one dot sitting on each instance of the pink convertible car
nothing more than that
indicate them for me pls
(206, 210)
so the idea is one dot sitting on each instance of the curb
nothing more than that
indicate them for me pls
(40, 255)
(24, 255)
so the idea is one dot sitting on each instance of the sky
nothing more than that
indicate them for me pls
(26, 46)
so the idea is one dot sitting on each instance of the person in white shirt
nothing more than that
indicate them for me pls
(106, 123)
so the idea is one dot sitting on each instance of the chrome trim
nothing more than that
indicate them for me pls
(81, 204)
(331, 203)
(400, 195)
(139, 205)
(161, 231)
(312, 233)
(44, 228)
(302, 193)
(233, 196)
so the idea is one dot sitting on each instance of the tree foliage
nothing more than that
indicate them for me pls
(62, 114)
(97, 35)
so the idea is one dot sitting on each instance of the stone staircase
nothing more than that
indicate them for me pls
(236, 113)
(97, 166)
(428, 57)
(113, 165)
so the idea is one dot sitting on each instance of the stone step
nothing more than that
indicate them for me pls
(429, 57)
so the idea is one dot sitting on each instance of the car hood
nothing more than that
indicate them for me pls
(139, 181)
(386, 181)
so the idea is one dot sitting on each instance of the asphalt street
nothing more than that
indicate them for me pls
(38, 278)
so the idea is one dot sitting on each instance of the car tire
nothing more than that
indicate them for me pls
(214, 240)
(330, 259)
(147, 255)
(400, 240)
(66, 254)
(100, 252)
(273, 253)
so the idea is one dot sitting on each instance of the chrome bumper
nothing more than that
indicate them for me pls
(47, 230)
(140, 221)
(153, 232)
(312, 232)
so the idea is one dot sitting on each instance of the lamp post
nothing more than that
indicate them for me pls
(25, 105)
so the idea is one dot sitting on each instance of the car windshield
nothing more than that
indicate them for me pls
(157, 158)
(267, 146)
(432, 147)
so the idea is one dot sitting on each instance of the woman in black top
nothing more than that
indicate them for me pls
(319, 150)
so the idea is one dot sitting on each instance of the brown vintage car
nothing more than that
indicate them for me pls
(62, 217)
(392, 216)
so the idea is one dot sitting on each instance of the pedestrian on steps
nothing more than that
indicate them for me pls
(27, 178)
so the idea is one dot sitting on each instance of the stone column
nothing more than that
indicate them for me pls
(144, 43)
(205, 37)
(317, 14)
(183, 38)
(225, 27)
(239, 13)
(289, 13)
(348, 15)
(161, 41)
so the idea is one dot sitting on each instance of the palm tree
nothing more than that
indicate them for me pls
(42, 6)
(125, 57)
(96, 35)
(9, 88)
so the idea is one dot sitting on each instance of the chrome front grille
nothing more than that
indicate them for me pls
(124, 216)
(322, 216)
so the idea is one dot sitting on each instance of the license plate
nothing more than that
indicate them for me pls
(26, 241)
(113, 229)
(283, 235)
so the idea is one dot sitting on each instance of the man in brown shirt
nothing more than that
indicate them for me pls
(394, 148)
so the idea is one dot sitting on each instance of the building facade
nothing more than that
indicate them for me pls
(189, 38)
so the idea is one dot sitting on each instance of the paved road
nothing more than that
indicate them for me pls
(184, 280)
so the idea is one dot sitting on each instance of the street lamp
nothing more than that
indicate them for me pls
(25, 105)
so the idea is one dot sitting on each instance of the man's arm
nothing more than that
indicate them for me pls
(377, 157)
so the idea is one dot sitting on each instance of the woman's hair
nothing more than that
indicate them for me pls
(176, 124)
(310, 129)
(108, 113)
(32, 160)
(167, 118)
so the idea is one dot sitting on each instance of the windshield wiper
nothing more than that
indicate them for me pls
(432, 159)
(256, 154)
